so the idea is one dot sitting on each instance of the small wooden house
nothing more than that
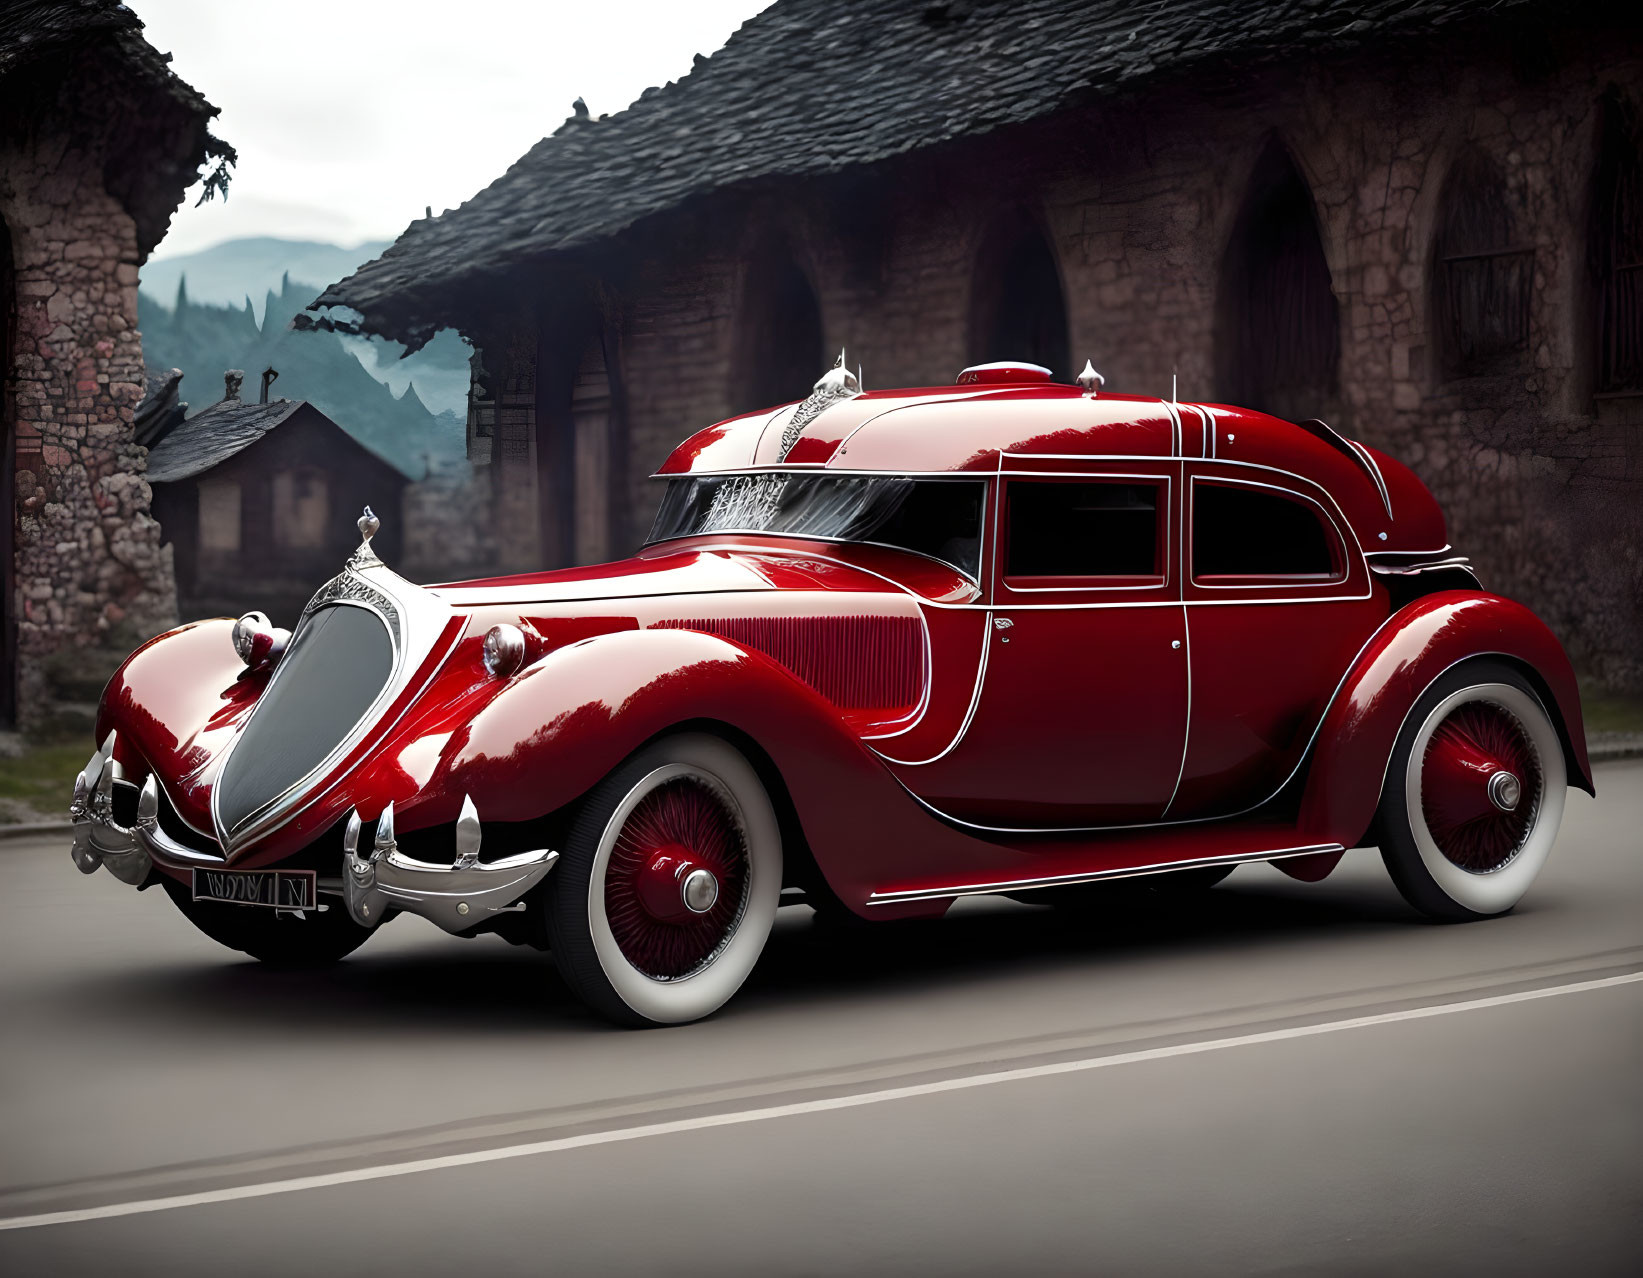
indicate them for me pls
(258, 501)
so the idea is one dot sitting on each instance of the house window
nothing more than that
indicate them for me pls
(1061, 531)
(1617, 250)
(1018, 310)
(220, 516)
(302, 509)
(1240, 533)
(1278, 327)
(1483, 273)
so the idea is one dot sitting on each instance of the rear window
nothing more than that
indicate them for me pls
(940, 518)
(1240, 533)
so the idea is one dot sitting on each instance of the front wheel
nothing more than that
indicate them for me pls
(1473, 794)
(668, 883)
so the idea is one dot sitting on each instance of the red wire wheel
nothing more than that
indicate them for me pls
(678, 830)
(1480, 786)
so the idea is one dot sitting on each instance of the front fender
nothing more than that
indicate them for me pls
(572, 717)
(1412, 648)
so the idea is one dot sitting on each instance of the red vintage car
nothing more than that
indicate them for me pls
(882, 650)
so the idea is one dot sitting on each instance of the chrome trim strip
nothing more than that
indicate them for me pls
(1375, 473)
(1094, 876)
(1186, 735)
(969, 714)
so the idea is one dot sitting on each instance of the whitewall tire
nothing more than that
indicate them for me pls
(668, 884)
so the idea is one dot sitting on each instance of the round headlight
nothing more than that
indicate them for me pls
(504, 650)
(258, 641)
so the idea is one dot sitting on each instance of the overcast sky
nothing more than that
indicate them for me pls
(351, 116)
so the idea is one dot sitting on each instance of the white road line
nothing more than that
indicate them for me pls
(358, 1174)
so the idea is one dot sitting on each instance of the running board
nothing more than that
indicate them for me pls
(1095, 876)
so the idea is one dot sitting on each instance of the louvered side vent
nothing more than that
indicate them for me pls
(857, 663)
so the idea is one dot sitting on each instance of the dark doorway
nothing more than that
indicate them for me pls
(1482, 273)
(580, 447)
(782, 352)
(1278, 326)
(8, 485)
(1616, 248)
(1018, 309)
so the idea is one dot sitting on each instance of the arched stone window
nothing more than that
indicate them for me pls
(781, 346)
(1018, 309)
(1483, 272)
(1278, 326)
(1617, 248)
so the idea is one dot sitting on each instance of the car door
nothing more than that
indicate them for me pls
(1278, 603)
(1082, 710)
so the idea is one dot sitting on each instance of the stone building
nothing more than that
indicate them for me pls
(257, 499)
(98, 142)
(1422, 222)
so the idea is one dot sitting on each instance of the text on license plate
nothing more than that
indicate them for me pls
(277, 889)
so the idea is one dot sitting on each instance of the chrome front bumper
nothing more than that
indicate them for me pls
(456, 897)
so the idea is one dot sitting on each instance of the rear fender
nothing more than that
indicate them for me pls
(1415, 646)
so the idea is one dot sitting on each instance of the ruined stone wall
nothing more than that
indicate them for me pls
(89, 559)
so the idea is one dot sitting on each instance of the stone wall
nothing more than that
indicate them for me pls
(89, 559)
(1542, 481)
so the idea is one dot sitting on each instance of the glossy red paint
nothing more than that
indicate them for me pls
(931, 735)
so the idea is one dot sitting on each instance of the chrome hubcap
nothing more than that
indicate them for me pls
(1505, 790)
(700, 891)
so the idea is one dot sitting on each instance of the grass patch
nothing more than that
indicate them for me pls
(42, 778)
(1611, 712)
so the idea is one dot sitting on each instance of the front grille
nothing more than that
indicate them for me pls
(338, 663)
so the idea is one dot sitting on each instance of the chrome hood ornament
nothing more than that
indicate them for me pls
(835, 384)
(367, 523)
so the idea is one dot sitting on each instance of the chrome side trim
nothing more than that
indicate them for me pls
(1186, 735)
(1094, 876)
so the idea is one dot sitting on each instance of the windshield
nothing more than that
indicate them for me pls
(940, 518)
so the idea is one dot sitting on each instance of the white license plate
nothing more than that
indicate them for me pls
(272, 889)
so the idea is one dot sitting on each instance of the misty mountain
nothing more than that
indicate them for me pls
(206, 340)
(242, 272)
(228, 273)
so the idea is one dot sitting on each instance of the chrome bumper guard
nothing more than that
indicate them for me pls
(99, 840)
(456, 897)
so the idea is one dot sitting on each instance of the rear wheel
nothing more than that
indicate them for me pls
(1473, 794)
(318, 938)
(668, 884)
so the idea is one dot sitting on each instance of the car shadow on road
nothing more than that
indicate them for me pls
(485, 985)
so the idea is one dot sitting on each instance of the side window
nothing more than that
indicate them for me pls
(1064, 532)
(1242, 533)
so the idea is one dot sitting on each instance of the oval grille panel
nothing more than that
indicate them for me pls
(338, 663)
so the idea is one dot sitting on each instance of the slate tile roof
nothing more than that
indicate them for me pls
(809, 87)
(213, 435)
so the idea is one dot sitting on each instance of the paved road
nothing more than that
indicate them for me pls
(1279, 1079)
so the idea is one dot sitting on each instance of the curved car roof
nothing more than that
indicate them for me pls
(988, 429)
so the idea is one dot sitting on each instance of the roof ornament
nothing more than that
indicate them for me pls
(364, 557)
(1090, 380)
(836, 384)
